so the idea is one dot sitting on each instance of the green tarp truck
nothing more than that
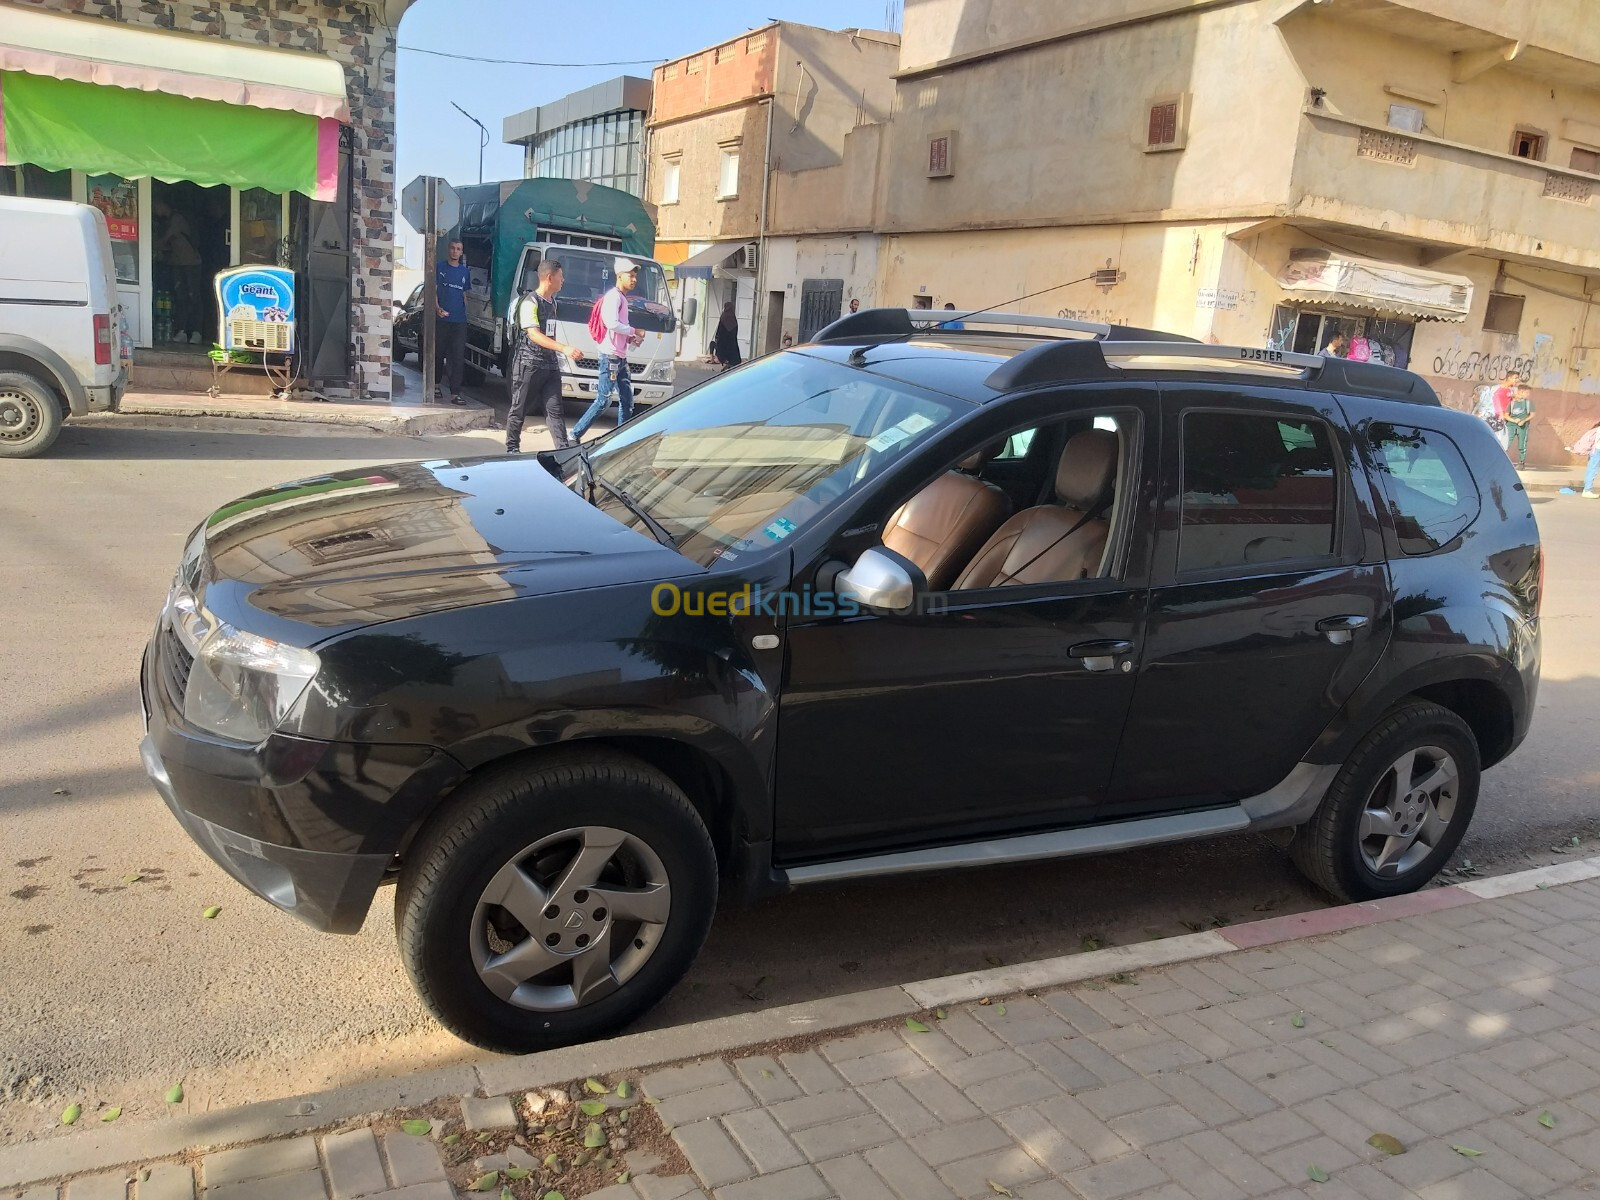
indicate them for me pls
(508, 228)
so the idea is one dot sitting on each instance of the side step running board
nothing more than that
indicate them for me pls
(1065, 843)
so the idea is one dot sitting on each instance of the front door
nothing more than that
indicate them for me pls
(1267, 609)
(971, 719)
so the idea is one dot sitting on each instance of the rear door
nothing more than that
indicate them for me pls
(1270, 601)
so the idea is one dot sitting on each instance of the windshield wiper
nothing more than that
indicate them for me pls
(588, 473)
(656, 527)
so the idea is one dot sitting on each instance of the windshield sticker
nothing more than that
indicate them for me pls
(780, 529)
(891, 436)
(916, 423)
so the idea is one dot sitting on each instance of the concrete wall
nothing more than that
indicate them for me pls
(823, 84)
(938, 30)
(699, 214)
(828, 83)
(1056, 133)
(354, 35)
(832, 199)
(793, 260)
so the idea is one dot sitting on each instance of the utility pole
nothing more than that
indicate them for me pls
(483, 135)
(430, 291)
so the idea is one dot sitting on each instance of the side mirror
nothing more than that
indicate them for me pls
(691, 310)
(882, 581)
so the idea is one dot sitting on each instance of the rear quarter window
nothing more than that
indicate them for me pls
(1431, 495)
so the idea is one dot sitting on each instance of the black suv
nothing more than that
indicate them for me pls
(902, 599)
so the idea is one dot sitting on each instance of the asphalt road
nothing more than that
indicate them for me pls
(116, 989)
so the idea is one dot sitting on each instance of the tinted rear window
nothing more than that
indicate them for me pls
(1431, 494)
(1256, 491)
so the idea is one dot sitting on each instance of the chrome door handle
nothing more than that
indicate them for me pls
(1101, 656)
(1339, 630)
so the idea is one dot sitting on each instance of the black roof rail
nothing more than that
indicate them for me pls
(1063, 362)
(1375, 379)
(905, 322)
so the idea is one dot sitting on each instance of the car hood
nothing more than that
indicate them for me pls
(340, 551)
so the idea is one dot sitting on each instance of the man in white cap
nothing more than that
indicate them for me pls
(620, 337)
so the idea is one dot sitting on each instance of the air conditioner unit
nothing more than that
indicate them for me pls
(746, 258)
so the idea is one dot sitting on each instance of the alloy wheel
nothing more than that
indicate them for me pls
(570, 919)
(1409, 811)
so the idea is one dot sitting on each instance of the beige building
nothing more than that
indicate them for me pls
(748, 147)
(1415, 174)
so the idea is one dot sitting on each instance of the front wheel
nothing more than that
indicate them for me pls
(30, 415)
(1398, 808)
(556, 903)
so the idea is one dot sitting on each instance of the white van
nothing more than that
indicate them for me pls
(60, 343)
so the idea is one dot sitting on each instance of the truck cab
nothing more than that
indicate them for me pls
(587, 275)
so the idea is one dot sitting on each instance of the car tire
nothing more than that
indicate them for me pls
(1398, 808)
(30, 415)
(486, 896)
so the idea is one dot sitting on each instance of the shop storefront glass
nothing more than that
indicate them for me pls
(1368, 337)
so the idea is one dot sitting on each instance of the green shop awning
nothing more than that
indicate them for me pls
(64, 124)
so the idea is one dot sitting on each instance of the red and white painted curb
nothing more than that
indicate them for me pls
(1076, 968)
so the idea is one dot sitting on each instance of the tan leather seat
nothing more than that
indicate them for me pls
(942, 525)
(1052, 543)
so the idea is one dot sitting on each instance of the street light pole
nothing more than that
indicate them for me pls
(483, 135)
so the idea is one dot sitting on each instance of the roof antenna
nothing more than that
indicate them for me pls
(858, 356)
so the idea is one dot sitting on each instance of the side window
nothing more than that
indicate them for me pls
(1257, 490)
(1017, 446)
(1432, 497)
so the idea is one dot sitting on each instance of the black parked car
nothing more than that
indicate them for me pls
(899, 600)
(407, 332)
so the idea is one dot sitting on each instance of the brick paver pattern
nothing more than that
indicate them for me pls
(1471, 1035)
(1241, 1076)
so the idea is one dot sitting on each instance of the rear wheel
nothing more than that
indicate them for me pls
(1398, 808)
(30, 415)
(556, 903)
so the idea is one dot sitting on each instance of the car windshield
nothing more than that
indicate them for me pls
(587, 275)
(748, 459)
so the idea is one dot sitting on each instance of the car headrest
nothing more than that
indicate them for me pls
(979, 459)
(1087, 468)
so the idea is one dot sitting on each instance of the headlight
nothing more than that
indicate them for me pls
(661, 372)
(241, 685)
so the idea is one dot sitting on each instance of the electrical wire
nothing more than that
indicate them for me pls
(521, 62)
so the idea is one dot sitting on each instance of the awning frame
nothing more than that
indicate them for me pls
(1320, 277)
(704, 264)
(196, 67)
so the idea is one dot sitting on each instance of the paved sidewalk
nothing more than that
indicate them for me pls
(1461, 1024)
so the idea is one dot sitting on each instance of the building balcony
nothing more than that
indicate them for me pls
(1443, 195)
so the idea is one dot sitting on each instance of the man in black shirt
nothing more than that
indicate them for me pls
(536, 365)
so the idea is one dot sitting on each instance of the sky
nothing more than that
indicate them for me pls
(434, 138)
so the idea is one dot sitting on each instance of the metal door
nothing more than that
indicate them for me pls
(821, 301)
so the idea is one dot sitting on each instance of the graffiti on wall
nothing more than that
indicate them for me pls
(1537, 364)
(1103, 315)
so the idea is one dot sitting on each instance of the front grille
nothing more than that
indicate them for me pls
(174, 664)
(593, 364)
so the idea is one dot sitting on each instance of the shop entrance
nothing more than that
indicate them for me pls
(191, 237)
(1368, 338)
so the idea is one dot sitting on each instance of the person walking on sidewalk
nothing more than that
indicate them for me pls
(454, 281)
(1519, 415)
(725, 345)
(619, 337)
(536, 365)
(1589, 443)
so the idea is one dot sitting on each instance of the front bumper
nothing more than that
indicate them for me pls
(311, 827)
(582, 387)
